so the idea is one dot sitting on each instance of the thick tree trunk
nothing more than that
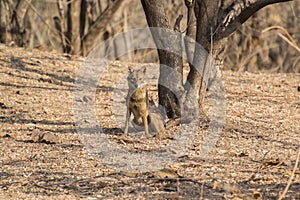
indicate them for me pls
(201, 67)
(169, 49)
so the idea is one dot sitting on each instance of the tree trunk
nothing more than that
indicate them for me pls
(214, 24)
(202, 21)
(206, 14)
(169, 49)
(191, 31)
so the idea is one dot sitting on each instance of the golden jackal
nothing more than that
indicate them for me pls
(137, 102)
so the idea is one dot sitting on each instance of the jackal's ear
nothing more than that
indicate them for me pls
(130, 69)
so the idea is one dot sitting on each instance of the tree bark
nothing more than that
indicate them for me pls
(170, 89)
(190, 31)
(82, 23)
(207, 15)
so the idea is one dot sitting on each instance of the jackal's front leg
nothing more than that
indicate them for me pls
(145, 120)
(128, 113)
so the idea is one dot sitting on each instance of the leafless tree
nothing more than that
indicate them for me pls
(209, 24)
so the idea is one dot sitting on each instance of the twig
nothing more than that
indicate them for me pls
(282, 29)
(291, 177)
(258, 169)
(290, 40)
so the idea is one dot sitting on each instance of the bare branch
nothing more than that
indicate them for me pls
(223, 32)
(289, 39)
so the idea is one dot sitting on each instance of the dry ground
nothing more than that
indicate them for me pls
(253, 158)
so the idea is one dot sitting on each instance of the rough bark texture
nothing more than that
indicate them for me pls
(206, 13)
(168, 80)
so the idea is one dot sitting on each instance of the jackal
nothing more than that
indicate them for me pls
(137, 102)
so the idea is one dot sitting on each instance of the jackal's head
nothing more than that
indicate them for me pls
(136, 77)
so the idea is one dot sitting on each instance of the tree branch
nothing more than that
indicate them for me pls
(249, 11)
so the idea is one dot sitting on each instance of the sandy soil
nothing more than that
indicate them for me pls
(42, 156)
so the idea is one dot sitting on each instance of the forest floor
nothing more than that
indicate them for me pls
(42, 155)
